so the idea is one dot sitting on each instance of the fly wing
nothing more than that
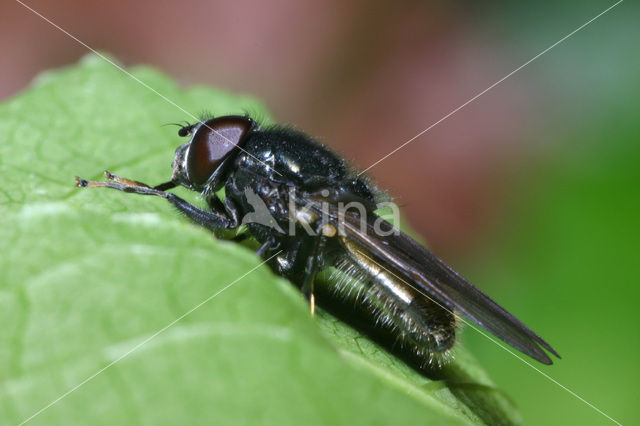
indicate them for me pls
(436, 280)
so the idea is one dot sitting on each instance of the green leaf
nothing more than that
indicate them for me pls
(88, 275)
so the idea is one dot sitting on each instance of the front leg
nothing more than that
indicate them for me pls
(224, 219)
(209, 219)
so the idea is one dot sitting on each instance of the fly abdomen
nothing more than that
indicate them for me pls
(420, 324)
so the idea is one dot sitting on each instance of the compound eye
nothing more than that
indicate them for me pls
(212, 143)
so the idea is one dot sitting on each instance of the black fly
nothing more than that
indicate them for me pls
(299, 199)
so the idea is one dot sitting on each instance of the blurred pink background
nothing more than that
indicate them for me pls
(363, 77)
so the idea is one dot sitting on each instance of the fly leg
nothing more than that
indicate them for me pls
(128, 182)
(228, 218)
(311, 270)
(264, 248)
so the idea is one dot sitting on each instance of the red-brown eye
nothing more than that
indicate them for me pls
(212, 143)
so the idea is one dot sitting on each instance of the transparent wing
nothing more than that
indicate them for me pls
(436, 280)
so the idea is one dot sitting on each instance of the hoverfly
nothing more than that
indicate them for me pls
(301, 186)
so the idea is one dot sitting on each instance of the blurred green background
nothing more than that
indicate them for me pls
(565, 253)
(531, 191)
